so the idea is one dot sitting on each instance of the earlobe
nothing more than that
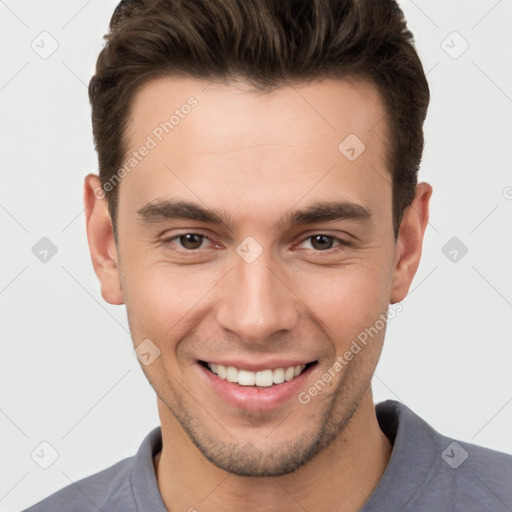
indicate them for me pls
(101, 241)
(409, 243)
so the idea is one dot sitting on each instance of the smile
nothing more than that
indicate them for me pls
(263, 378)
(257, 386)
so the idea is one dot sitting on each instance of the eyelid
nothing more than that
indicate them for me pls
(166, 241)
(342, 242)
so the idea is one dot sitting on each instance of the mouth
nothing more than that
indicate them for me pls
(264, 378)
(257, 387)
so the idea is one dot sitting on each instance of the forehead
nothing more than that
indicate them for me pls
(224, 140)
(322, 106)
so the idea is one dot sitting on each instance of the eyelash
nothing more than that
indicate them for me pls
(341, 242)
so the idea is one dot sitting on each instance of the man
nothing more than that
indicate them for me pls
(234, 138)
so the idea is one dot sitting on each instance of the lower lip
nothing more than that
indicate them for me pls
(253, 398)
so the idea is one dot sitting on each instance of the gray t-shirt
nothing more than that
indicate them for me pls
(427, 472)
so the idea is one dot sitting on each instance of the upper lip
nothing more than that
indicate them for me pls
(256, 366)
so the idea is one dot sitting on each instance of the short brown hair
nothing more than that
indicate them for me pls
(268, 44)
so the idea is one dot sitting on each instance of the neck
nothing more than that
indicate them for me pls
(341, 477)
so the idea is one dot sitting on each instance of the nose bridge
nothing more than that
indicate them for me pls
(255, 303)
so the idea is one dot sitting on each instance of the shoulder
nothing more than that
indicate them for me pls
(441, 472)
(477, 476)
(86, 494)
(126, 486)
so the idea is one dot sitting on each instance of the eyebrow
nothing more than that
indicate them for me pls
(316, 213)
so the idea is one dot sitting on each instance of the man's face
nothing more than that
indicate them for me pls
(264, 292)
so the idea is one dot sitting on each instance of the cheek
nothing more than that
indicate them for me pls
(347, 299)
(164, 301)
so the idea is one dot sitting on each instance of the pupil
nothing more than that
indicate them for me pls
(323, 238)
(188, 243)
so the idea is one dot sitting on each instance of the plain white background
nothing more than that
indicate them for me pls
(67, 370)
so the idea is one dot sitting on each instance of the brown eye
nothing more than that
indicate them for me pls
(322, 242)
(191, 241)
(187, 242)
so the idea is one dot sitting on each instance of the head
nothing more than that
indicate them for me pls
(257, 207)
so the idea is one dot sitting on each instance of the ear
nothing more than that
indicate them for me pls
(101, 240)
(409, 243)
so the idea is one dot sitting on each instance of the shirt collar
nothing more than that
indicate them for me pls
(409, 467)
(143, 477)
(412, 460)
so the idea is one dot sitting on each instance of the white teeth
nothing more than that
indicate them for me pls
(246, 378)
(278, 375)
(289, 373)
(231, 374)
(263, 378)
(221, 371)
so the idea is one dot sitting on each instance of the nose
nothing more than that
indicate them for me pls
(257, 301)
